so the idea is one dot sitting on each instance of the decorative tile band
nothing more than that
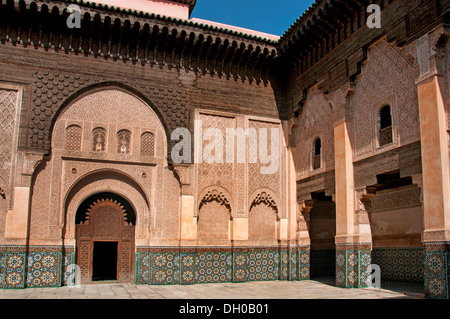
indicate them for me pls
(68, 261)
(156, 266)
(165, 268)
(351, 268)
(323, 262)
(437, 270)
(400, 264)
(210, 267)
(12, 270)
(41, 266)
(34, 266)
(43, 269)
(142, 268)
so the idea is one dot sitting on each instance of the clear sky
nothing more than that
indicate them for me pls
(269, 16)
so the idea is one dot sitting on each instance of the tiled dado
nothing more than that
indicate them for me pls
(400, 264)
(323, 262)
(186, 266)
(437, 270)
(352, 263)
(35, 266)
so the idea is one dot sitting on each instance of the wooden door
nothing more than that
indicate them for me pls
(106, 220)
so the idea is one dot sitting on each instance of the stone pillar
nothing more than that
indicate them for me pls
(290, 131)
(239, 229)
(435, 169)
(304, 239)
(345, 202)
(188, 218)
(17, 219)
(353, 256)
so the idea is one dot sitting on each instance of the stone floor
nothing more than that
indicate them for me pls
(320, 288)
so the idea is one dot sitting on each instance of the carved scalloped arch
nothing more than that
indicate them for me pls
(265, 196)
(122, 187)
(215, 193)
(107, 173)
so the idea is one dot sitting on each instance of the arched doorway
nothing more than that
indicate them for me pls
(105, 232)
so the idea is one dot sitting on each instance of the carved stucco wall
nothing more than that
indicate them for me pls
(215, 174)
(238, 183)
(262, 223)
(52, 90)
(154, 186)
(316, 120)
(8, 120)
(213, 224)
(257, 179)
(386, 78)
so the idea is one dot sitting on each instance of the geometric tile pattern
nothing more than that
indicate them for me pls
(351, 268)
(43, 269)
(188, 261)
(32, 266)
(142, 268)
(341, 272)
(364, 260)
(400, 264)
(195, 267)
(436, 275)
(165, 268)
(214, 267)
(304, 265)
(263, 265)
(12, 270)
(68, 260)
(293, 274)
(240, 267)
(285, 258)
(323, 262)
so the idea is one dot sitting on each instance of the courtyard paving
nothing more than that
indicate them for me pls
(312, 289)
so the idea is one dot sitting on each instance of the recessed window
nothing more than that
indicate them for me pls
(99, 139)
(317, 154)
(73, 138)
(385, 122)
(123, 142)
(147, 144)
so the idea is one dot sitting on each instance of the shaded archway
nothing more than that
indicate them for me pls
(322, 234)
(105, 231)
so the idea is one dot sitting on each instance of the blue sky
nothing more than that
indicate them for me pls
(270, 16)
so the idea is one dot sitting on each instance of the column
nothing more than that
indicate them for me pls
(352, 255)
(188, 218)
(17, 219)
(436, 201)
(431, 89)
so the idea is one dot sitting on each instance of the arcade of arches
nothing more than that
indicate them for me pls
(354, 125)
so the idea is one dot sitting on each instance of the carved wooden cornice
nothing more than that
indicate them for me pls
(317, 31)
(139, 37)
